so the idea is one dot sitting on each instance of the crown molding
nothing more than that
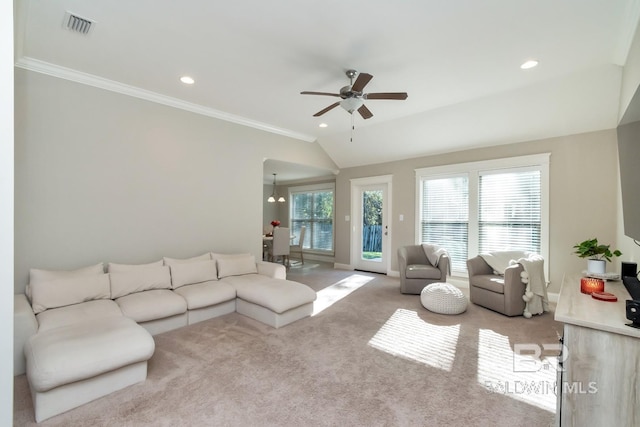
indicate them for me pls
(47, 68)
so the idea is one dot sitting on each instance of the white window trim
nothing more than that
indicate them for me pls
(474, 169)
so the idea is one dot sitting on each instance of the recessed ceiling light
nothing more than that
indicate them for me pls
(187, 80)
(529, 64)
(323, 125)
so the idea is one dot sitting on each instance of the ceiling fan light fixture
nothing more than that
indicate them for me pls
(351, 104)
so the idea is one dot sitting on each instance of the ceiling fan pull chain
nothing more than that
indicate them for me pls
(352, 128)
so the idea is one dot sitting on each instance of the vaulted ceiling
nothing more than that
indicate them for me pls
(458, 60)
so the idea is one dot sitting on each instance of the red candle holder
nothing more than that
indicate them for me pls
(591, 284)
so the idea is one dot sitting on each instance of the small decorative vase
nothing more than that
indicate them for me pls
(597, 266)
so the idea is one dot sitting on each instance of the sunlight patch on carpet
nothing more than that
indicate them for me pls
(330, 295)
(408, 336)
(503, 372)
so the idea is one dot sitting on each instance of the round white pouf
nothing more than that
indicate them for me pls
(443, 298)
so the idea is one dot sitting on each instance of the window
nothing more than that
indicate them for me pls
(471, 208)
(444, 216)
(312, 207)
(509, 212)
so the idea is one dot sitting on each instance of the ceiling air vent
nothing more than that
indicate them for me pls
(77, 24)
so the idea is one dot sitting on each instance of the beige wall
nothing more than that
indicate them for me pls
(101, 176)
(583, 195)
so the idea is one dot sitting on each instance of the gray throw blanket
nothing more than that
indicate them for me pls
(434, 252)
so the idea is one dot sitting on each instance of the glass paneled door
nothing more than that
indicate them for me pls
(371, 228)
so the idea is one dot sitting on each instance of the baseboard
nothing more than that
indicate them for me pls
(316, 257)
(339, 266)
(460, 282)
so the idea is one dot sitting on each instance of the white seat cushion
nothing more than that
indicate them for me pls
(443, 298)
(206, 294)
(152, 305)
(76, 352)
(275, 294)
(422, 271)
(77, 313)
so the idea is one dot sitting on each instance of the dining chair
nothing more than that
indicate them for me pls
(298, 248)
(281, 243)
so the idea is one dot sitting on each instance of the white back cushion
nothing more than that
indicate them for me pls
(37, 275)
(68, 291)
(217, 256)
(173, 261)
(193, 272)
(139, 279)
(236, 265)
(121, 268)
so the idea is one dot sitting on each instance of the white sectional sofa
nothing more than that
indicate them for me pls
(83, 334)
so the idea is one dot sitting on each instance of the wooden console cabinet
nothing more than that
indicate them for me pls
(599, 369)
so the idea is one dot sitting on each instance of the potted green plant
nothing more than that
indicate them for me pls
(596, 253)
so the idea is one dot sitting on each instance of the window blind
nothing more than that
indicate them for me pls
(314, 210)
(509, 211)
(445, 216)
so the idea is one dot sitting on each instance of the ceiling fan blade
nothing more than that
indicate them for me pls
(386, 95)
(306, 92)
(330, 107)
(364, 112)
(361, 82)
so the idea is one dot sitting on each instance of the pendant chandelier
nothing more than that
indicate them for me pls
(274, 196)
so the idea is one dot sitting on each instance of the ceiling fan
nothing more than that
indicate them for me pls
(352, 96)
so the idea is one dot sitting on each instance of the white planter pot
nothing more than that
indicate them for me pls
(598, 266)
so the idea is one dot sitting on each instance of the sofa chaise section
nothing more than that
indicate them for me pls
(84, 348)
(71, 365)
(270, 300)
